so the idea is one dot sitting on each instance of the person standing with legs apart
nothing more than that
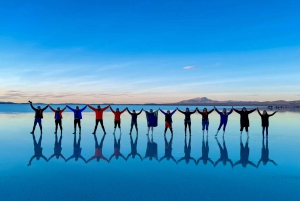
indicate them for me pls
(58, 117)
(187, 119)
(38, 117)
(265, 121)
(152, 119)
(77, 117)
(168, 120)
(117, 114)
(205, 120)
(134, 117)
(99, 116)
(223, 119)
(244, 119)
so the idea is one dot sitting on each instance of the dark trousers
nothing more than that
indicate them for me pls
(58, 122)
(77, 121)
(101, 122)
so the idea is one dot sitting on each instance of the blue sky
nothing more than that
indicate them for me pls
(137, 51)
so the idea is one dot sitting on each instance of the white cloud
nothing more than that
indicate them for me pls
(189, 67)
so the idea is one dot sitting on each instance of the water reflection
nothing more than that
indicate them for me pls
(168, 149)
(265, 153)
(244, 154)
(98, 150)
(205, 152)
(151, 151)
(223, 154)
(187, 152)
(77, 149)
(133, 145)
(57, 148)
(38, 150)
(117, 147)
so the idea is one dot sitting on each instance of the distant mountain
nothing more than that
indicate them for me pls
(6, 102)
(206, 101)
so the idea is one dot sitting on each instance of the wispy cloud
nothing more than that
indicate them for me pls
(189, 67)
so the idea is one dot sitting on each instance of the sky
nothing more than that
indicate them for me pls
(136, 51)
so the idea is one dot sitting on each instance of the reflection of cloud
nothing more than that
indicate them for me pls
(189, 67)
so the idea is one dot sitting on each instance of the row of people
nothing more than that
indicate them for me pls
(152, 151)
(152, 118)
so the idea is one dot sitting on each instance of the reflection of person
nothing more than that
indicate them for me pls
(58, 117)
(187, 119)
(205, 120)
(152, 119)
(205, 152)
(77, 150)
(38, 150)
(117, 119)
(265, 154)
(151, 151)
(168, 150)
(187, 152)
(57, 148)
(98, 150)
(133, 146)
(265, 121)
(244, 118)
(37, 117)
(99, 116)
(168, 120)
(134, 117)
(117, 146)
(77, 117)
(223, 119)
(223, 154)
(244, 155)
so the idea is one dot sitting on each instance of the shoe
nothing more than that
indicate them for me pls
(93, 133)
(32, 132)
(55, 132)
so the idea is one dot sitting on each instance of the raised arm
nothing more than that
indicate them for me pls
(217, 110)
(45, 107)
(83, 108)
(64, 109)
(237, 111)
(193, 112)
(173, 111)
(123, 110)
(70, 108)
(92, 108)
(140, 112)
(51, 157)
(162, 111)
(258, 112)
(272, 114)
(51, 109)
(273, 162)
(251, 163)
(82, 158)
(105, 108)
(230, 112)
(70, 158)
(29, 163)
(111, 109)
(211, 111)
(250, 111)
(32, 106)
(63, 157)
(198, 111)
(181, 111)
(129, 111)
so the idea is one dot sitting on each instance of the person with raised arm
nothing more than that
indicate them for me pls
(223, 154)
(133, 146)
(168, 150)
(187, 152)
(37, 117)
(38, 150)
(205, 152)
(77, 117)
(223, 119)
(77, 150)
(98, 150)
(134, 117)
(99, 116)
(117, 147)
(244, 119)
(152, 119)
(58, 117)
(265, 154)
(57, 148)
(168, 120)
(187, 119)
(117, 120)
(265, 121)
(205, 120)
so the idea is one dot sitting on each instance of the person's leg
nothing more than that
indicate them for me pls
(224, 126)
(185, 125)
(207, 124)
(56, 125)
(152, 129)
(131, 128)
(136, 127)
(119, 124)
(40, 125)
(115, 126)
(220, 126)
(263, 131)
(166, 128)
(246, 128)
(148, 130)
(79, 125)
(203, 125)
(34, 125)
(60, 125)
(242, 128)
(102, 125)
(189, 124)
(96, 126)
(75, 122)
(267, 131)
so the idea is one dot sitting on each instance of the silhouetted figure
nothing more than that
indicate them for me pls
(99, 116)
(57, 148)
(38, 150)
(187, 119)
(77, 117)
(77, 150)
(205, 152)
(98, 150)
(117, 119)
(168, 120)
(134, 117)
(265, 154)
(244, 118)
(152, 119)
(58, 117)
(244, 155)
(205, 120)
(223, 154)
(151, 151)
(37, 117)
(187, 152)
(223, 119)
(265, 121)
(133, 145)
(168, 150)
(117, 146)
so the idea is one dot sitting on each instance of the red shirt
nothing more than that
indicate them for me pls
(98, 112)
(117, 114)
